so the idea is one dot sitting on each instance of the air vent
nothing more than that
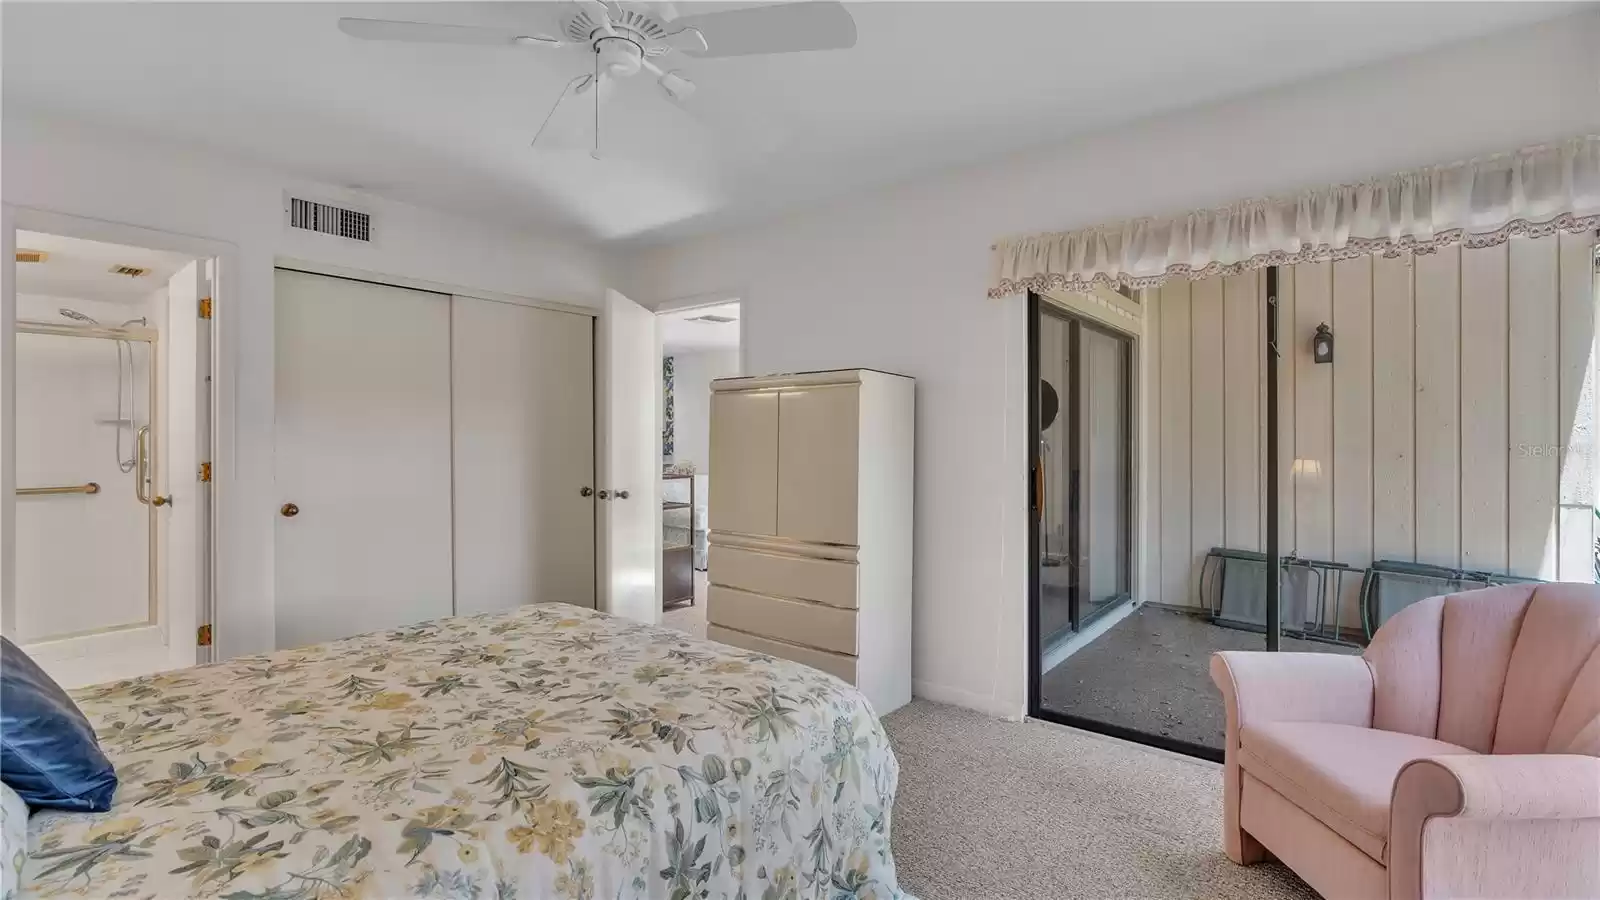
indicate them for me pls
(130, 271)
(325, 218)
(712, 319)
(32, 256)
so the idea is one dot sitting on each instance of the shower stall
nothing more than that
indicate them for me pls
(88, 451)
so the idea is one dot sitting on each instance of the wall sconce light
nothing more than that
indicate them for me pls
(1322, 344)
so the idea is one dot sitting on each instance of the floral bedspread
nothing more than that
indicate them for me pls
(552, 752)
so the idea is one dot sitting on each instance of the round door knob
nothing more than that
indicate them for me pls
(621, 495)
(604, 495)
(586, 491)
(289, 510)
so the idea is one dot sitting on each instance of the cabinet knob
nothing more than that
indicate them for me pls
(586, 491)
(289, 510)
(621, 495)
(604, 495)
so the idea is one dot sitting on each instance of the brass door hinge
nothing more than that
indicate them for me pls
(203, 636)
(205, 471)
(205, 307)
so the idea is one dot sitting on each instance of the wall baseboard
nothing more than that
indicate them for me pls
(989, 706)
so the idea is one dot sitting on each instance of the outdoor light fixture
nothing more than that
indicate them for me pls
(1322, 344)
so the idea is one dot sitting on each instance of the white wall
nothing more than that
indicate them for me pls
(896, 280)
(68, 168)
(1455, 426)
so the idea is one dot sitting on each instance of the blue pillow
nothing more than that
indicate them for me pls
(48, 752)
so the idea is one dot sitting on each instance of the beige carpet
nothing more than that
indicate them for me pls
(1030, 811)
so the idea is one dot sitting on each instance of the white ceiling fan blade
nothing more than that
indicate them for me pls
(422, 32)
(783, 28)
(688, 40)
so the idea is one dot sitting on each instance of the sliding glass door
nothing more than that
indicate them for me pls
(1082, 475)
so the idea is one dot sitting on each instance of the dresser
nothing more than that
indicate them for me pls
(810, 512)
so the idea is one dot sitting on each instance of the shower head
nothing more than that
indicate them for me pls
(77, 316)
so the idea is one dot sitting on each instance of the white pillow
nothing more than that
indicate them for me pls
(13, 841)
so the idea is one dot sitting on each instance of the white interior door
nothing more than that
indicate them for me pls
(184, 441)
(363, 538)
(523, 431)
(630, 460)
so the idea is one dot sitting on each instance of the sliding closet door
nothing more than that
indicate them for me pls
(524, 456)
(362, 457)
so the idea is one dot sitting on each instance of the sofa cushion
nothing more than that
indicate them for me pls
(1342, 774)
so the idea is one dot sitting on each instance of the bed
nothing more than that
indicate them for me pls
(550, 752)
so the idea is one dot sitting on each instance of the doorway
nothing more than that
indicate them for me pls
(112, 466)
(699, 344)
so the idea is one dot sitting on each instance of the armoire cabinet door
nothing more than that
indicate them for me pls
(818, 461)
(744, 454)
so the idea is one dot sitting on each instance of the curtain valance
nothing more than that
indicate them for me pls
(1533, 191)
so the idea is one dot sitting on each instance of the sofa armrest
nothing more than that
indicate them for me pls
(1495, 826)
(1293, 687)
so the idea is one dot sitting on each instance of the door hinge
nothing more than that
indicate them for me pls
(203, 636)
(205, 471)
(205, 307)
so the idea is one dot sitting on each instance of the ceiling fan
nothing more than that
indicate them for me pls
(625, 38)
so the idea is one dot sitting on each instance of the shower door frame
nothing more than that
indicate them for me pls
(145, 462)
(225, 556)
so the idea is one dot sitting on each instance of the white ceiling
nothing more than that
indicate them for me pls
(77, 268)
(929, 86)
(681, 334)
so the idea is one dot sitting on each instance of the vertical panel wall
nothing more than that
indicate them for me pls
(1456, 425)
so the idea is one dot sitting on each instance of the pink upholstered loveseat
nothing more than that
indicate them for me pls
(1459, 757)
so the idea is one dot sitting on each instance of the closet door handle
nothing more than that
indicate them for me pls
(620, 495)
(604, 495)
(586, 491)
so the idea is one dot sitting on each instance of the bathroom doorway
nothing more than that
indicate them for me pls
(112, 362)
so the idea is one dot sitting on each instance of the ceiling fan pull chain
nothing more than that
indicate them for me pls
(595, 154)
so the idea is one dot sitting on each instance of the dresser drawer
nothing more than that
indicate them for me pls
(827, 581)
(835, 664)
(792, 621)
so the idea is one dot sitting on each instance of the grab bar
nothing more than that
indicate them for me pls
(90, 488)
(141, 469)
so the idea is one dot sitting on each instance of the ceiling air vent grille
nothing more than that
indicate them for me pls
(714, 319)
(130, 271)
(325, 218)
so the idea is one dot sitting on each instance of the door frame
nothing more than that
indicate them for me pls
(678, 305)
(1038, 306)
(215, 555)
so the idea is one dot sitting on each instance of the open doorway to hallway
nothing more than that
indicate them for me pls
(698, 345)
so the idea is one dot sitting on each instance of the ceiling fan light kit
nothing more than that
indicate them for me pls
(625, 38)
